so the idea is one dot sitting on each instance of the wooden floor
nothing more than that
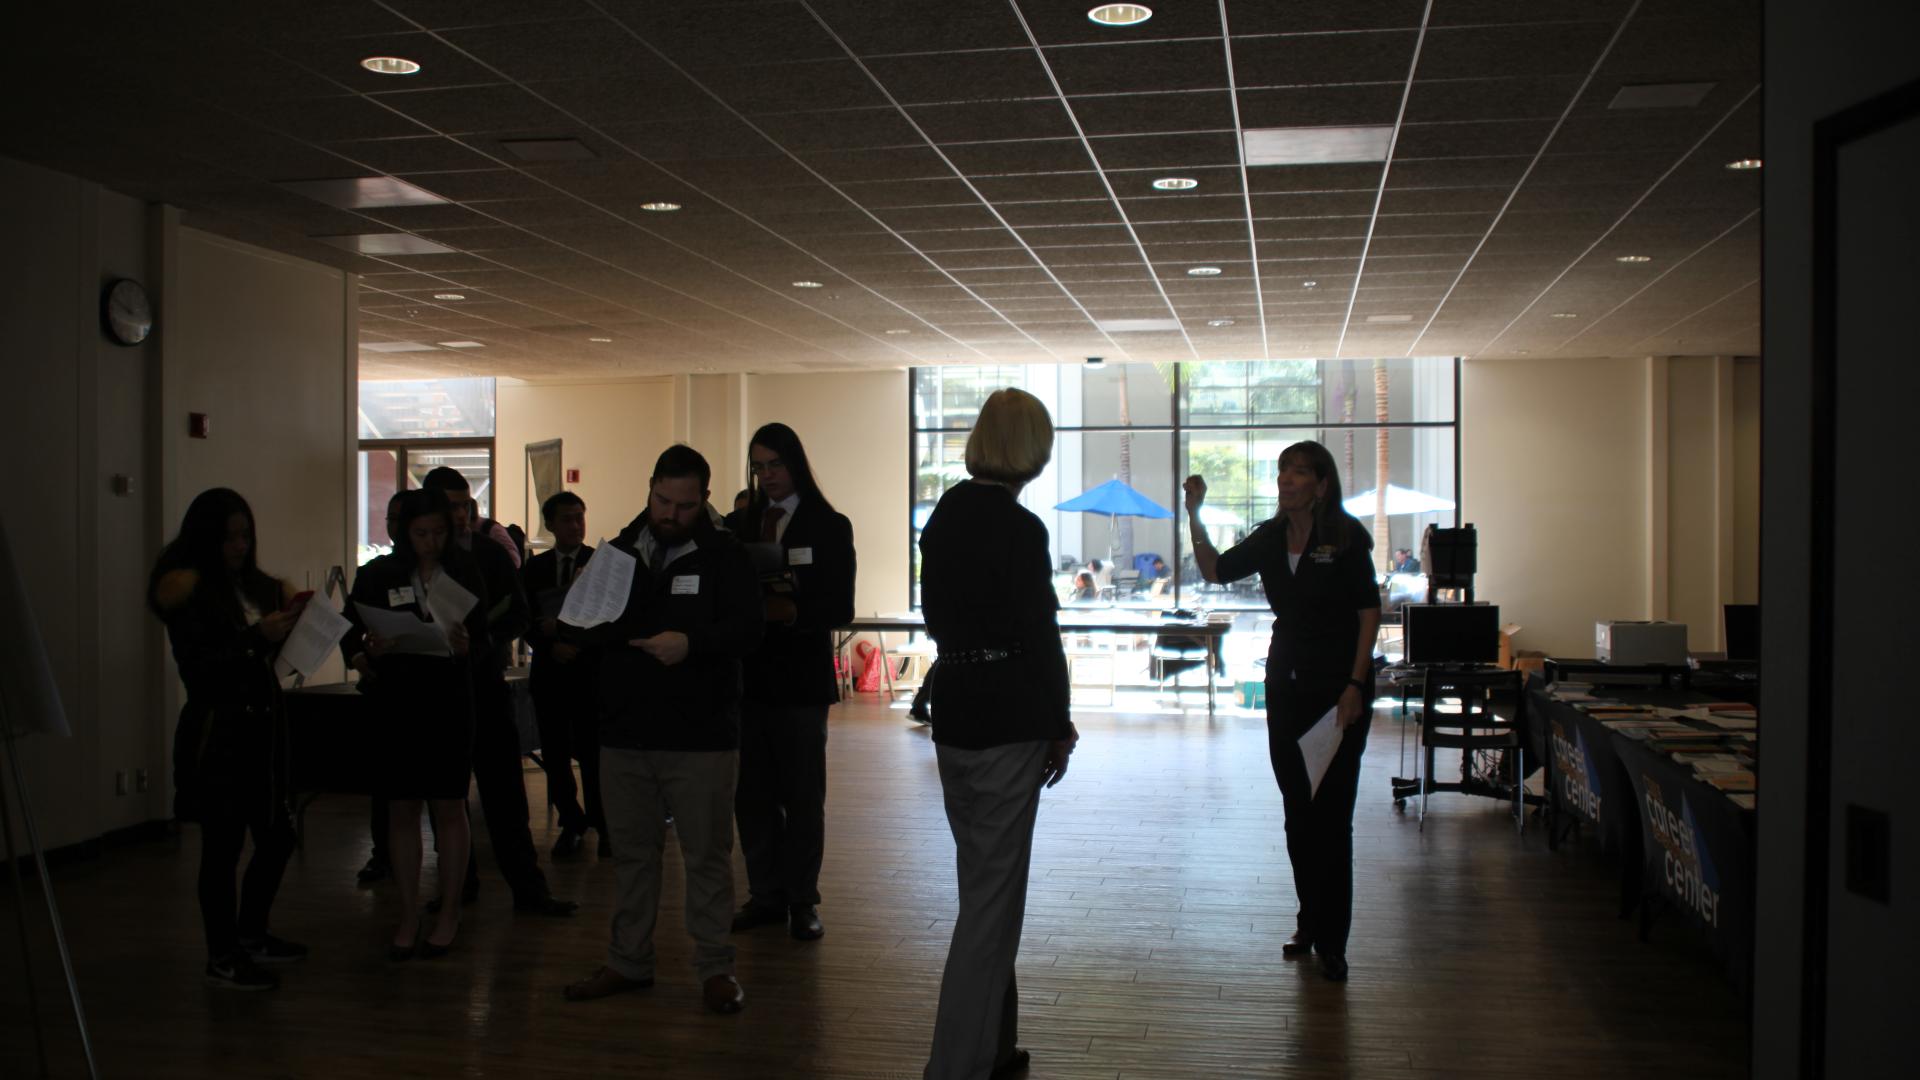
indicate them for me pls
(1160, 897)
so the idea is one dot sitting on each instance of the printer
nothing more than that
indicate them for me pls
(1628, 642)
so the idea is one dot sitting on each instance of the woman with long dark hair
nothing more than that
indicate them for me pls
(1314, 562)
(780, 802)
(1001, 728)
(424, 705)
(225, 620)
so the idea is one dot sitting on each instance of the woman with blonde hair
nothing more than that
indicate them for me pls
(1001, 725)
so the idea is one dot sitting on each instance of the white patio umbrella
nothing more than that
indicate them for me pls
(1399, 501)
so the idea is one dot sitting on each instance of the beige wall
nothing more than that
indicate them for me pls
(611, 432)
(854, 426)
(260, 342)
(1610, 489)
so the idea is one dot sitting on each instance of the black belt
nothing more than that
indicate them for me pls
(977, 656)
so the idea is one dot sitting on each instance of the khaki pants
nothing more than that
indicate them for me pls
(992, 799)
(639, 788)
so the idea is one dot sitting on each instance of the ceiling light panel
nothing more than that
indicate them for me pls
(1661, 96)
(387, 244)
(363, 192)
(1315, 145)
(1136, 326)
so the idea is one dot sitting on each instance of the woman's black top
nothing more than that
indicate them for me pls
(1316, 610)
(230, 748)
(986, 589)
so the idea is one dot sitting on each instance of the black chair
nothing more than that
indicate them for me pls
(1492, 716)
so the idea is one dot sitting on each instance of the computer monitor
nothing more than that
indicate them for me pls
(1452, 633)
(1742, 622)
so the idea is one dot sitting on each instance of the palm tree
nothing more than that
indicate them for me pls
(1382, 549)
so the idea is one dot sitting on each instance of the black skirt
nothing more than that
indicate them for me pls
(424, 711)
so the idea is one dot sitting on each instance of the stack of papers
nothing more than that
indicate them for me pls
(1743, 800)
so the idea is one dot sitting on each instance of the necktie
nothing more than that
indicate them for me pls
(770, 523)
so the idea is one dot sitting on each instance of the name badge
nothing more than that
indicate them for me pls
(686, 584)
(400, 597)
(800, 557)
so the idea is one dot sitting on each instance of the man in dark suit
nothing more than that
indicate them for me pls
(807, 578)
(496, 739)
(565, 677)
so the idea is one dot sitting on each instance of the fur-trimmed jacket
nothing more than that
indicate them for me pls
(230, 748)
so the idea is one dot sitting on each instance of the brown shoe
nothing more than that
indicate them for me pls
(723, 994)
(603, 983)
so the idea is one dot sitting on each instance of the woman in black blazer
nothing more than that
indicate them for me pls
(780, 802)
(1001, 728)
(1314, 561)
(225, 621)
(424, 705)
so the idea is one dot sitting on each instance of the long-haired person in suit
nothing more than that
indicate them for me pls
(226, 620)
(780, 803)
(1315, 565)
(565, 679)
(424, 705)
(1001, 729)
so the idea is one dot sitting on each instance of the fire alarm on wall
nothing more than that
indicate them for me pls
(573, 476)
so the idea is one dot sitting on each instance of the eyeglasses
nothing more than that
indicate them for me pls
(762, 468)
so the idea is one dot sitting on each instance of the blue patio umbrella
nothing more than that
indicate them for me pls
(1115, 499)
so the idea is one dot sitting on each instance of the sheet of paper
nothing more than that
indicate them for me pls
(1318, 746)
(599, 594)
(313, 637)
(403, 632)
(449, 600)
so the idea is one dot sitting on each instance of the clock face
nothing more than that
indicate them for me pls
(128, 316)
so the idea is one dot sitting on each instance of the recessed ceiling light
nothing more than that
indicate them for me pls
(601, 340)
(449, 296)
(1316, 145)
(1565, 315)
(1389, 318)
(462, 345)
(390, 65)
(1309, 284)
(1219, 322)
(1176, 183)
(660, 207)
(1120, 14)
(808, 285)
(1202, 271)
(1633, 258)
(1744, 164)
(899, 331)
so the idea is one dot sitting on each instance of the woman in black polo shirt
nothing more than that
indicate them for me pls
(1314, 561)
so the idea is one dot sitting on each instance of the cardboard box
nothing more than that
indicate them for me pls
(1251, 693)
(1630, 642)
(1507, 633)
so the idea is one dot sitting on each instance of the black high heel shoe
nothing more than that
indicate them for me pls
(399, 953)
(430, 951)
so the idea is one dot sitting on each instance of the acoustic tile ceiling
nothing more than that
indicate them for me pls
(961, 181)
